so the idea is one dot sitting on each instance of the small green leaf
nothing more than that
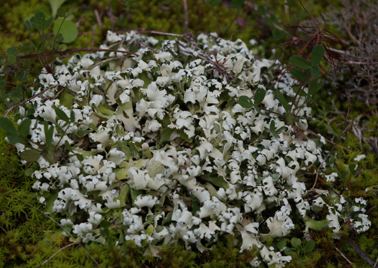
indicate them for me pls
(48, 23)
(282, 100)
(68, 146)
(352, 169)
(62, 115)
(55, 4)
(29, 172)
(11, 51)
(80, 157)
(72, 116)
(70, 11)
(309, 247)
(315, 71)
(314, 87)
(30, 155)
(215, 180)
(23, 129)
(40, 47)
(237, 4)
(267, 20)
(61, 12)
(281, 244)
(315, 225)
(273, 129)
(245, 102)
(261, 10)
(12, 59)
(13, 139)
(213, 3)
(259, 96)
(317, 54)
(3, 84)
(45, 9)
(290, 3)
(300, 62)
(298, 74)
(62, 47)
(68, 30)
(34, 43)
(49, 131)
(81, 132)
(105, 224)
(277, 33)
(288, 251)
(273, 18)
(28, 25)
(295, 242)
(123, 195)
(7, 125)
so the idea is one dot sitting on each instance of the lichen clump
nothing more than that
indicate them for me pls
(158, 145)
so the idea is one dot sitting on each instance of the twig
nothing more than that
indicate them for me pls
(98, 18)
(360, 63)
(61, 226)
(334, 146)
(25, 101)
(186, 22)
(78, 242)
(93, 34)
(3, 230)
(359, 251)
(351, 263)
(367, 212)
(316, 135)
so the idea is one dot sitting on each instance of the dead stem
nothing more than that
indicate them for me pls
(351, 263)
(98, 18)
(186, 22)
(359, 251)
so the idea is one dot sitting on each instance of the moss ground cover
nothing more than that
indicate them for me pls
(29, 238)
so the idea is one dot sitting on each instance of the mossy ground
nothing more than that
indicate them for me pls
(28, 238)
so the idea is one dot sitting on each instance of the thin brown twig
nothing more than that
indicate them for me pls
(361, 252)
(186, 22)
(98, 18)
(25, 101)
(367, 212)
(351, 263)
(78, 242)
(334, 146)
(3, 230)
(360, 63)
